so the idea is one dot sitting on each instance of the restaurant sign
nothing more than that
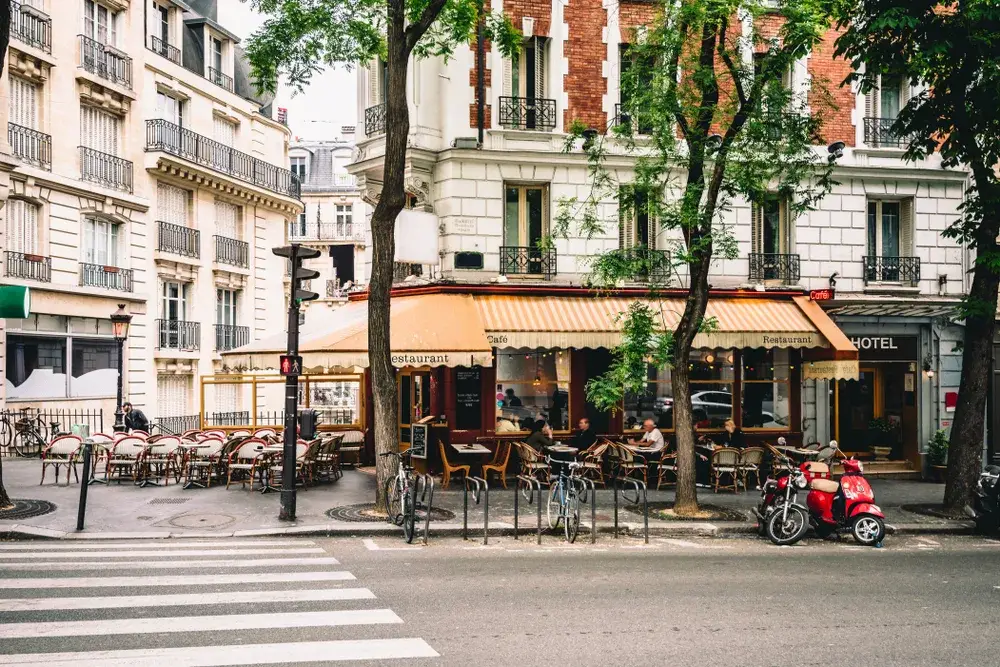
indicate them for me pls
(886, 348)
(441, 358)
(838, 369)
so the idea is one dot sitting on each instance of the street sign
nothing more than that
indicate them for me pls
(821, 295)
(291, 365)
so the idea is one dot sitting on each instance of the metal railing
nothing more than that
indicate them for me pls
(179, 240)
(30, 146)
(773, 266)
(104, 169)
(175, 425)
(480, 489)
(162, 135)
(30, 26)
(527, 261)
(108, 277)
(165, 49)
(879, 133)
(178, 335)
(230, 336)
(527, 113)
(403, 270)
(375, 120)
(232, 251)
(904, 270)
(28, 266)
(640, 122)
(220, 78)
(105, 61)
(344, 232)
(233, 418)
(648, 264)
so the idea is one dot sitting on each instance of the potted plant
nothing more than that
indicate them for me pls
(937, 455)
(881, 432)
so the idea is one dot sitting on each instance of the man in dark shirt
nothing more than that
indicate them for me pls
(135, 420)
(585, 437)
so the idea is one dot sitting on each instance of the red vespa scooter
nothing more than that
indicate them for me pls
(847, 505)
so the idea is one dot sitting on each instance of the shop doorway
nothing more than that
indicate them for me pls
(877, 410)
(414, 401)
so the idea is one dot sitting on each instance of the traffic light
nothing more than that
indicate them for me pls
(308, 421)
(295, 254)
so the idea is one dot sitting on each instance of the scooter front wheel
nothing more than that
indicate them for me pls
(868, 530)
(784, 528)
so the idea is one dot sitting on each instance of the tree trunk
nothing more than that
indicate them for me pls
(5, 501)
(965, 450)
(390, 203)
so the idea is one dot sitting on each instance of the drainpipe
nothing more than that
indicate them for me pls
(480, 75)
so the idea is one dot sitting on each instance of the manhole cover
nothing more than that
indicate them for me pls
(665, 512)
(365, 513)
(25, 508)
(201, 520)
(168, 501)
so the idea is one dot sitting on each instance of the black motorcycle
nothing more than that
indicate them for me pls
(986, 503)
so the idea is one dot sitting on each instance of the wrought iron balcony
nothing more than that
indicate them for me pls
(648, 265)
(334, 290)
(232, 251)
(640, 122)
(162, 135)
(28, 266)
(375, 120)
(105, 61)
(108, 277)
(879, 133)
(403, 270)
(325, 232)
(178, 335)
(220, 78)
(165, 49)
(527, 113)
(766, 266)
(107, 170)
(30, 146)
(230, 336)
(905, 270)
(527, 261)
(178, 239)
(30, 26)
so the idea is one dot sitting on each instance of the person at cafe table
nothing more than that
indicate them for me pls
(585, 437)
(651, 437)
(540, 437)
(732, 436)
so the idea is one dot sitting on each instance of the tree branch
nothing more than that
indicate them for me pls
(673, 69)
(727, 58)
(416, 30)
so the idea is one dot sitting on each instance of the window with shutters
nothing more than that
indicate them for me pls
(882, 106)
(100, 23)
(523, 103)
(170, 108)
(22, 226)
(889, 245)
(173, 395)
(101, 240)
(526, 223)
(378, 75)
(225, 131)
(172, 204)
(226, 301)
(99, 130)
(769, 226)
(228, 221)
(633, 75)
(636, 224)
(24, 99)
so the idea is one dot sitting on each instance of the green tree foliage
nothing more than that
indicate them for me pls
(704, 89)
(949, 50)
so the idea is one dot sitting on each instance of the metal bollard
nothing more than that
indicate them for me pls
(479, 488)
(428, 495)
(88, 446)
(530, 484)
(588, 485)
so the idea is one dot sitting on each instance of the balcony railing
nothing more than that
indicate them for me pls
(162, 135)
(178, 335)
(165, 49)
(640, 122)
(108, 277)
(527, 113)
(30, 26)
(105, 61)
(28, 266)
(905, 270)
(375, 120)
(334, 290)
(30, 146)
(220, 78)
(336, 232)
(766, 266)
(230, 336)
(648, 265)
(879, 133)
(232, 251)
(106, 170)
(403, 270)
(179, 240)
(527, 261)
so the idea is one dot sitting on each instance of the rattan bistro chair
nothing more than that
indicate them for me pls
(62, 451)
(666, 466)
(725, 461)
(532, 464)
(124, 459)
(245, 461)
(630, 463)
(751, 459)
(447, 468)
(500, 462)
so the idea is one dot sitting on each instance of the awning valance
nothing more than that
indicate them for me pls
(425, 330)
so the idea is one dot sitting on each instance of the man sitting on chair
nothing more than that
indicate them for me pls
(585, 437)
(651, 438)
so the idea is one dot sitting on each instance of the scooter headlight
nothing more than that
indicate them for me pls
(800, 482)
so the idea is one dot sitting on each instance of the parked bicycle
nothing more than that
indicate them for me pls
(401, 495)
(26, 434)
(564, 497)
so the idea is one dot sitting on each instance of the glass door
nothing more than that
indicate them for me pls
(854, 405)
(414, 401)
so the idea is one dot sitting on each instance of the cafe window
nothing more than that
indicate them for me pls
(533, 385)
(657, 403)
(766, 389)
(337, 401)
(711, 376)
(36, 366)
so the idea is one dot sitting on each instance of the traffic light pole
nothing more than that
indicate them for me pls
(287, 511)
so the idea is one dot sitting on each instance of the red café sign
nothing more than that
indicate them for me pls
(821, 295)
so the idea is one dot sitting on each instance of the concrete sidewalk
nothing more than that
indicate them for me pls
(125, 511)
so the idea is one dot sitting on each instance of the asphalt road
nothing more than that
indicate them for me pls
(182, 603)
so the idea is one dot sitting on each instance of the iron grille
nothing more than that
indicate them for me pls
(179, 240)
(29, 266)
(774, 267)
(527, 113)
(904, 270)
(523, 260)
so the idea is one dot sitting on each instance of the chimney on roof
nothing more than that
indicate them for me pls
(348, 132)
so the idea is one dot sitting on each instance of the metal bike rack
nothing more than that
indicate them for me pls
(528, 485)
(584, 485)
(426, 493)
(479, 487)
(639, 486)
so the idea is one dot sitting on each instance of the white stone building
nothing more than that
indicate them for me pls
(150, 175)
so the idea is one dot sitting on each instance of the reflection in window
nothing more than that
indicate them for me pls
(337, 402)
(533, 385)
(36, 367)
(95, 368)
(656, 404)
(766, 392)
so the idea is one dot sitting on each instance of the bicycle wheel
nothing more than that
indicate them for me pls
(6, 433)
(554, 509)
(409, 512)
(572, 515)
(393, 500)
(43, 429)
(27, 444)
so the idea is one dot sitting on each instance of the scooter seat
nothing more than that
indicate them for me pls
(818, 468)
(824, 485)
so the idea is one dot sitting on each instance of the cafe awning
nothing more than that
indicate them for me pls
(519, 321)
(425, 330)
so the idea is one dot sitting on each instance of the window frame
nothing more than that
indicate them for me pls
(549, 384)
(227, 302)
(180, 300)
(773, 382)
(92, 10)
(112, 231)
(759, 224)
(19, 214)
(298, 165)
(904, 227)
(524, 225)
(67, 338)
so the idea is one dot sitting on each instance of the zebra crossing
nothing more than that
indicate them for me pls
(191, 604)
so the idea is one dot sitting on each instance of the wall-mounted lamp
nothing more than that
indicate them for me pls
(833, 279)
(836, 151)
(527, 27)
(928, 368)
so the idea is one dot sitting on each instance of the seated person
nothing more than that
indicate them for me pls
(540, 437)
(505, 425)
(651, 437)
(732, 436)
(585, 437)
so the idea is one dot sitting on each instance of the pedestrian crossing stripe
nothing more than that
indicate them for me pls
(173, 564)
(163, 553)
(148, 544)
(179, 580)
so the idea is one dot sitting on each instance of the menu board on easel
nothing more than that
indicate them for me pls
(468, 399)
(420, 438)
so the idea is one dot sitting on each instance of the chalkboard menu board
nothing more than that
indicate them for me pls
(418, 440)
(468, 404)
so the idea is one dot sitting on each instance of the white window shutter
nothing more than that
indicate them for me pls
(23, 103)
(784, 226)
(906, 228)
(374, 89)
(626, 221)
(225, 131)
(539, 67)
(173, 395)
(757, 228)
(508, 78)
(172, 204)
(22, 226)
(227, 220)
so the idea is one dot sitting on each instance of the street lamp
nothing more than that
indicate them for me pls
(120, 321)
